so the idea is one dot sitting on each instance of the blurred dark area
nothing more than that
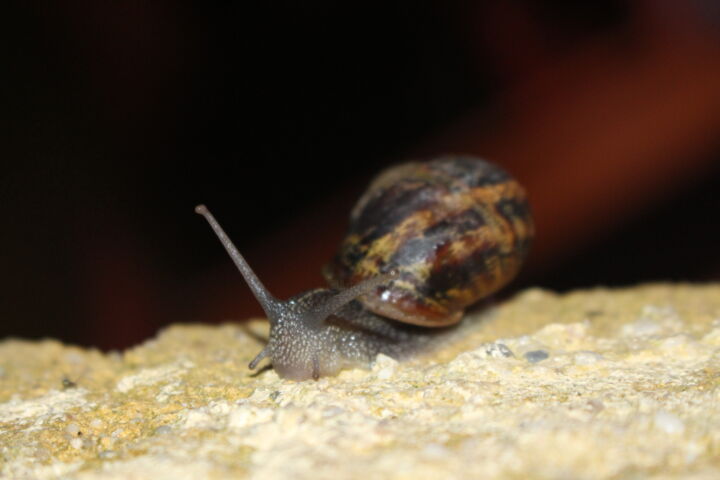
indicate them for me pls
(119, 117)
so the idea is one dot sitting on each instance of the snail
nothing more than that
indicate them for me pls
(425, 241)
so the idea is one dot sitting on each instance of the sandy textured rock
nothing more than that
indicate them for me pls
(593, 384)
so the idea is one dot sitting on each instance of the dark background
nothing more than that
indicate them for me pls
(120, 117)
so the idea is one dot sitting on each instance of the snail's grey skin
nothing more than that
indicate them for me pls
(301, 347)
(323, 331)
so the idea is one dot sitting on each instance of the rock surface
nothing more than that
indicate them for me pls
(592, 384)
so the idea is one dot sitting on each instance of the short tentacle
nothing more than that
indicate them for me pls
(258, 358)
(342, 298)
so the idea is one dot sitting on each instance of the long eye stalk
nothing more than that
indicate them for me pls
(269, 304)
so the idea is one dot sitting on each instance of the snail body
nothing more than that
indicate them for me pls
(426, 240)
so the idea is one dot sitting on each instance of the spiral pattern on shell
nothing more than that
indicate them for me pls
(456, 228)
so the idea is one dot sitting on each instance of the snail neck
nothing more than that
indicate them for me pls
(302, 344)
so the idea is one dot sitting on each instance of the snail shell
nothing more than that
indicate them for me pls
(456, 228)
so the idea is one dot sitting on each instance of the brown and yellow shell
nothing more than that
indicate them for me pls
(455, 228)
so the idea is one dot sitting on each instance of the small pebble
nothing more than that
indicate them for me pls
(586, 357)
(76, 443)
(498, 350)
(678, 345)
(596, 405)
(115, 355)
(536, 356)
(384, 366)
(642, 328)
(435, 450)
(332, 411)
(97, 424)
(73, 429)
(385, 373)
(163, 430)
(74, 358)
(67, 383)
(668, 423)
(106, 442)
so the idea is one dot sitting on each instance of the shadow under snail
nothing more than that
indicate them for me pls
(425, 241)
